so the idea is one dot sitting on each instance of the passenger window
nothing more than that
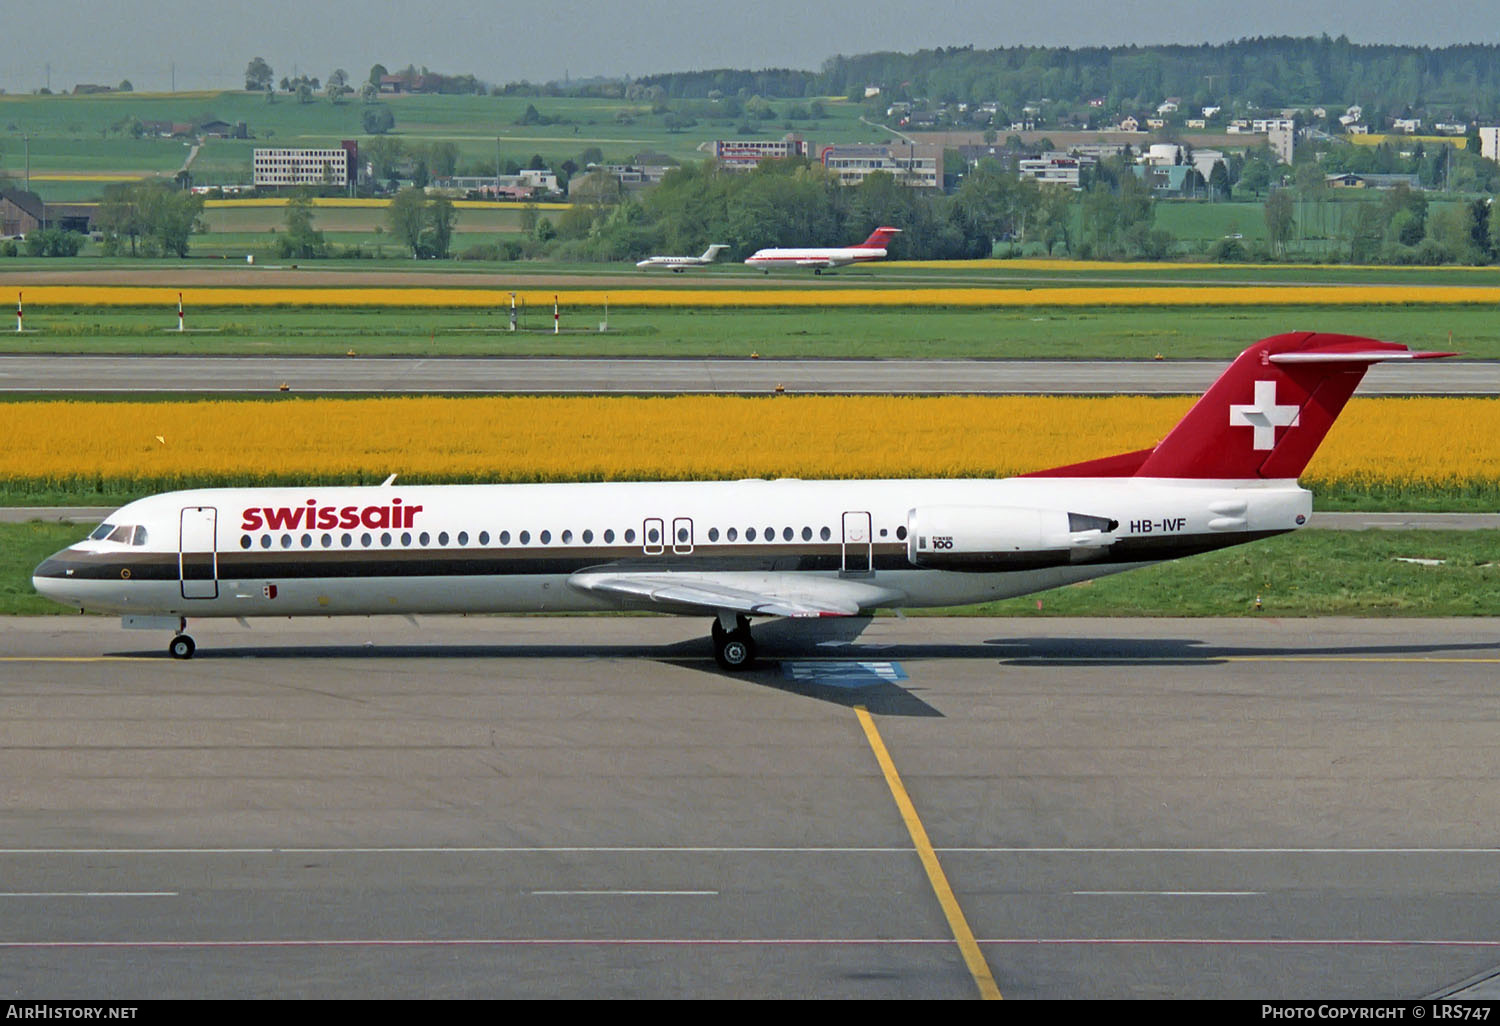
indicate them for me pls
(504, 537)
(265, 541)
(630, 534)
(424, 538)
(307, 541)
(588, 536)
(713, 534)
(484, 537)
(525, 537)
(786, 534)
(567, 536)
(544, 537)
(327, 541)
(749, 534)
(807, 534)
(901, 532)
(825, 534)
(442, 537)
(365, 539)
(463, 537)
(731, 534)
(405, 537)
(245, 541)
(385, 538)
(609, 534)
(347, 540)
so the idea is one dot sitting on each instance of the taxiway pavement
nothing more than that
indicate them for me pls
(266, 374)
(580, 806)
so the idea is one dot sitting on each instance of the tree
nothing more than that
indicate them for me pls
(258, 76)
(162, 218)
(1279, 220)
(378, 119)
(383, 153)
(406, 215)
(338, 86)
(377, 72)
(423, 224)
(300, 240)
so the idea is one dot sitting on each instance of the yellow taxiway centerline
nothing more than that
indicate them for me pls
(973, 957)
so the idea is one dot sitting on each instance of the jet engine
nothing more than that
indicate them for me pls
(981, 538)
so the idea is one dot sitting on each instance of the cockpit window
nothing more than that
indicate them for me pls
(123, 534)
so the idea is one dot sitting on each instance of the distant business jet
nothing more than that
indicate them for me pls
(729, 550)
(679, 264)
(872, 248)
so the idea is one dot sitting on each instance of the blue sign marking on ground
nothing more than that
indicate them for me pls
(843, 673)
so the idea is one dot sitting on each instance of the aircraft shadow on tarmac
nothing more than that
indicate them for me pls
(833, 666)
(1101, 651)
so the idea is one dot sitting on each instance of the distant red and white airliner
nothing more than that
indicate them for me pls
(872, 248)
(729, 550)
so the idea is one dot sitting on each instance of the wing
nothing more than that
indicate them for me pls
(754, 594)
(817, 262)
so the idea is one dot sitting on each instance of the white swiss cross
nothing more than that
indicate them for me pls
(1263, 415)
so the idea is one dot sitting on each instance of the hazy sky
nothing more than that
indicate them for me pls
(211, 41)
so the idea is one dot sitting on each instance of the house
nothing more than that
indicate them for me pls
(1129, 124)
(1197, 123)
(21, 212)
(1352, 180)
(1411, 126)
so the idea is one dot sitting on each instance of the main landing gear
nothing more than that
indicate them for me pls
(182, 647)
(734, 649)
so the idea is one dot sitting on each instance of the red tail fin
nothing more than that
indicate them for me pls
(878, 238)
(1264, 417)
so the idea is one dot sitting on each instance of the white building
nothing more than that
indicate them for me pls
(280, 168)
(1489, 143)
(920, 167)
(1054, 168)
(744, 154)
(1282, 139)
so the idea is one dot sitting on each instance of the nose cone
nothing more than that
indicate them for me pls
(56, 577)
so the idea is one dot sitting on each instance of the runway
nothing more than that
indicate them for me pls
(587, 807)
(232, 374)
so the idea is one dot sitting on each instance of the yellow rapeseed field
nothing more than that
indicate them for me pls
(1107, 296)
(1436, 443)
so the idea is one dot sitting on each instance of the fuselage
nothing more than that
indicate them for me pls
(513, 548)
(813, 257)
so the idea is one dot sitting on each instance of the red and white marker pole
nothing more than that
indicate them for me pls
(179, 312)
(556, 323)
(18, 313)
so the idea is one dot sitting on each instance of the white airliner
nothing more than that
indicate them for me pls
(682, 263)
(730, 550)
(872, 248)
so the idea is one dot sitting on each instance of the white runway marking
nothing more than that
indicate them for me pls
(89, 894)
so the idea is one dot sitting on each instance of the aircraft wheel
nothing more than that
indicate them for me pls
(182, 647)
(734, 650)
